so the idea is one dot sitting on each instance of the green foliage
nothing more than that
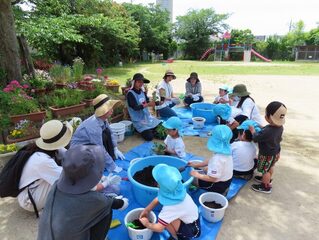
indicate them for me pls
(241, 36)
(195, 28)
(98, 88)
(77, 67)
(56, 72)
(159, 148)
(160, 132)
(65, 97)
(95, 30)
(20, 104)
(155, 27)
(312, 38)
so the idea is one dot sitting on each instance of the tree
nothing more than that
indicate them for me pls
(242, 36)
(312, 38)
(195, 28)
(155, 27)
(9, 51)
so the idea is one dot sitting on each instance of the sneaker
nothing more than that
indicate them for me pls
(259, 179)
(260, 188)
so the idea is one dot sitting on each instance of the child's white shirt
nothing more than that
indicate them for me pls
(243, 155)
(177, 145)
(187, 211)
(220, 166)
(251, 110)
(225, 97)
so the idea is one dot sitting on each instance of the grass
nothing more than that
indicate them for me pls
(210, 70)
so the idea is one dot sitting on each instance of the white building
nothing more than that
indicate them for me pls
(168, 5)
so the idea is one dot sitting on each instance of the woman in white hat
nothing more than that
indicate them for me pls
(165, 91)
(41, 169)
(96, 130)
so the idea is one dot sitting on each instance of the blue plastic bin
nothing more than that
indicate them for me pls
(205, 110)
(145, 194)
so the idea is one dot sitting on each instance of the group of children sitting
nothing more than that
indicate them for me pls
(238, 159)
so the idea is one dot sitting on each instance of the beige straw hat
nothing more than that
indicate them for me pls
(54, 135)
(102, 104)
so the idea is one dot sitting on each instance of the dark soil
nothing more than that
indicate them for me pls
(138, 224)
(145, 177)
(213, 204)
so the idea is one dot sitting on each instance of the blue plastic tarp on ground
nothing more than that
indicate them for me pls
(209, 230)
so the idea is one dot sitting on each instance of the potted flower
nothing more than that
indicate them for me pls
(39, 83)
(6, 153)
(66, 101)
(20, 105)
(61, 75)
(113, 85)
(23, 130)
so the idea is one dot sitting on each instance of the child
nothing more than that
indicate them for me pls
(244, 151)
(219, 170)
(174, 142)
(223, 95)
(268, 140)
(179, 214)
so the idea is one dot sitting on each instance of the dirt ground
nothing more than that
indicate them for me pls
(290, 212)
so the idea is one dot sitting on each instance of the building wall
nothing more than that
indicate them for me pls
(168, 5)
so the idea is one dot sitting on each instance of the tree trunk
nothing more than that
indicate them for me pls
(27, 59)
(9, 51)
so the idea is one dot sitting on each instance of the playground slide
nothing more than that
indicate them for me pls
(207, 53)
(260, 56)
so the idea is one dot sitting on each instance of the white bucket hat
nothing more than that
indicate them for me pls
(102, 104)
(54, 135)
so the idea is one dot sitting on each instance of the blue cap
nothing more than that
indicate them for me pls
(171, 189)
(219, 142)
(174, 123)
(222, 110)
(245, 125)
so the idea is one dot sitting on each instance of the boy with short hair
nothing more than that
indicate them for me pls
(179, 214)
(268, 140)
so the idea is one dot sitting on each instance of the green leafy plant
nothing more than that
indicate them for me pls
(39, 81)
(160, 132)
(56, 72)
(98, 88)
(8, 148)
(159, 148)
(65, 98)
(78, 65)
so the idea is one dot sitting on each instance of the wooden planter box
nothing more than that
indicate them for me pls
(117, 118)
(16, 140)
(88, 102)
(60, 85)
(113, 88)
(34, 117)
(60, 112)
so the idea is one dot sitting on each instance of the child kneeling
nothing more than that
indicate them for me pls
(218, 171)
(179, 214)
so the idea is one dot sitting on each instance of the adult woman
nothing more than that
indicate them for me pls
(246, 105)
(193, 90)
(138, 104)
(41, 170)
(167, 99)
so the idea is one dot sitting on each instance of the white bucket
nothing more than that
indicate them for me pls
(128, 127)
(198, 122)
(211, 214)
(137, 234)
(118, 129)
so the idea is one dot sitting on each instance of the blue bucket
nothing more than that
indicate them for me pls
(145, 194)
(205, 110)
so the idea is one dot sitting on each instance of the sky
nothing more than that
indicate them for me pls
(262, 17)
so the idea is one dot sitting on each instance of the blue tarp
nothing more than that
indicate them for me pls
(209, 230)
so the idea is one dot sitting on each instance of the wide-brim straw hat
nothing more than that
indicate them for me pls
(54, 135)
(240, 90)
(102, 104)
(169, 73)
(83, 167)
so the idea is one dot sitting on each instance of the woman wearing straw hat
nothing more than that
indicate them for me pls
(95, 130)
(193, 90)
(138, 104)
(165, 91)
(41, 170)
(73, 210)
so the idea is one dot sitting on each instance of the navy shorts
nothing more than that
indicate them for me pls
(187, 231)
(219, 187)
